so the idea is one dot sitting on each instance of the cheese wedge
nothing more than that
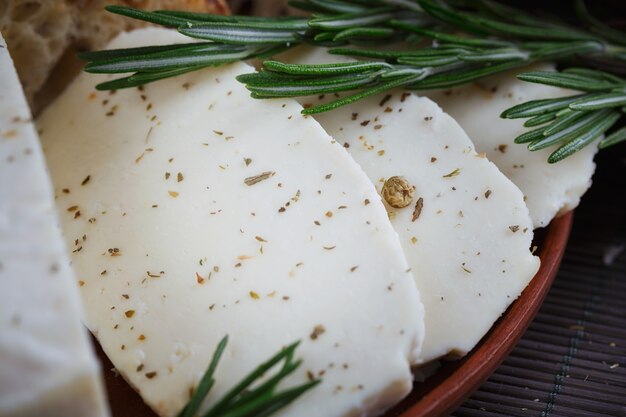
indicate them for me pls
(194, 211)
(550, 189)
(47, 366)
(466, 231)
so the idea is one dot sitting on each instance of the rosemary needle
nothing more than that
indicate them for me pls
(576, 121)
(205, 384)
(241, 401)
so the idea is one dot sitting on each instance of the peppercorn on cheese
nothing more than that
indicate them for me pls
(550, 189)
(463, 225)
(194, 211)
(47, 366)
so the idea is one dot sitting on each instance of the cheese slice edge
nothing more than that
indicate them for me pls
(47, 365)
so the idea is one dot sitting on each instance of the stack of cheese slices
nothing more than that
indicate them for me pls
(190, 211)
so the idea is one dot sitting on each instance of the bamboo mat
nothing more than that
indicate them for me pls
(571, 362)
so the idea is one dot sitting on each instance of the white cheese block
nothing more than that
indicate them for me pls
(47, 366)
(469, 242)
(194, 211)
(550, 189)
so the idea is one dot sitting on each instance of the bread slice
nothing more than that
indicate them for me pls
(266, 8)
(40, 32)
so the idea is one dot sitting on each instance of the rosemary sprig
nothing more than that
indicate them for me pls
(576, 121)
(469, 40)
(228, 39)
(243, 401)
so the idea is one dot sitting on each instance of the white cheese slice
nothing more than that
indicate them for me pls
(205, 212)
(550, 189)
(469, 247)
(47, 366)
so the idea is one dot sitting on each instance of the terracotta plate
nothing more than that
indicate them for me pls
(454, 381)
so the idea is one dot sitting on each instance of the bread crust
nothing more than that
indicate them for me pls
(39, 33)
